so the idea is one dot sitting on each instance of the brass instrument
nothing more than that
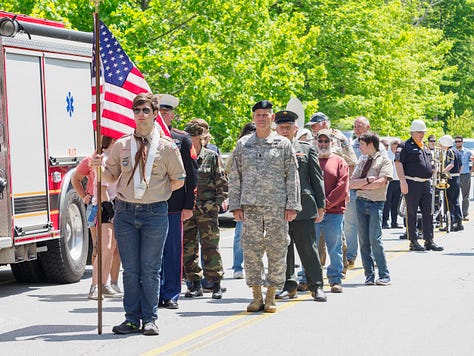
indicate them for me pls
(440, 178)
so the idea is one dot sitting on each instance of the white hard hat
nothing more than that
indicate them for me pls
(418, 125)
(446, 141)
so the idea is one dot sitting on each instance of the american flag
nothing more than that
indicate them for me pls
(121, 81)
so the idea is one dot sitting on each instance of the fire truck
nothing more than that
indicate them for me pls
(45, 130)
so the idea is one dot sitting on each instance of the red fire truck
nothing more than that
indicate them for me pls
(45, 130)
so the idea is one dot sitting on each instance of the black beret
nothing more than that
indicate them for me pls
(318, 117)
(285, 116)
(264, 104)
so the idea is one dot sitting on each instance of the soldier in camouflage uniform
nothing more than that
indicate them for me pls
(264, 193)
(203, 226)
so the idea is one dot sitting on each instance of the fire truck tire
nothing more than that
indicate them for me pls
(65, 259)
(28, 272)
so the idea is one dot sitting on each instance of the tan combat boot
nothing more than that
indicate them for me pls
(257, 302)
(270, 304)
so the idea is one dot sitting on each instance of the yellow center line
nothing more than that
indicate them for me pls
(208, 335)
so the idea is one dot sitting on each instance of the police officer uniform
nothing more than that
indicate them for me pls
(301, 230)
(453, 157)
(417, 169)
(183, 198)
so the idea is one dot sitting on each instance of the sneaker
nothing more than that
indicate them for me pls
(94, 294)
(150, 328)
(336, 288)
(383, 281)
(127, 327)
(109, 292)
(116, 288)
(195, 290)
(369, 281)
(238, 275)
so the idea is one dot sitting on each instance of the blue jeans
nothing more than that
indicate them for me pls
(331, 227)
(238, 254)
(172, 260)
(140, 231)
(350, 227)
(369, 217)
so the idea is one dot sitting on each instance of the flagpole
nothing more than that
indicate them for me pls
(99, 169)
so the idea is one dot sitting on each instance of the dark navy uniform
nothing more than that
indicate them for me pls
(453, 156)
(183, 198)
(418, 170)
(301, 230)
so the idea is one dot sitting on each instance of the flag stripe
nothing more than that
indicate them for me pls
(121, 81)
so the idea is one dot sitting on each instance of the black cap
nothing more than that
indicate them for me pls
(318, 117)
(285, 116)
(264, 104)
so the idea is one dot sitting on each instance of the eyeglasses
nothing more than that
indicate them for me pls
(137, 111)
(323, 141)
(432, 140)
(457, 141)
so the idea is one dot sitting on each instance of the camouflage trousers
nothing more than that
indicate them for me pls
(202, 229)
(265, 231)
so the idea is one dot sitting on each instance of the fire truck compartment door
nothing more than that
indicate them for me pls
(26, 140)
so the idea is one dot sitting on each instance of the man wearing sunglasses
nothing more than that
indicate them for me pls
(147, 168)
(336, 187)
(465, 176)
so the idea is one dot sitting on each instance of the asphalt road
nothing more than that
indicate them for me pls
(428, 310)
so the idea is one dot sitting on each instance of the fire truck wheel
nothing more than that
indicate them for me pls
(28, 272)
(65, 259)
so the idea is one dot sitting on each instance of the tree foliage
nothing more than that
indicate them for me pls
(392, 61)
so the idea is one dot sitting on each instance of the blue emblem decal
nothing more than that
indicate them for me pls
(70, 104)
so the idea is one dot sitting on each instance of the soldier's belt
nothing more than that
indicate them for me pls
(417, 179)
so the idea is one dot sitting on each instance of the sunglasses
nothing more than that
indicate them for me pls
(432, 140)
(323, 141)
(137, 111)
(458, 141)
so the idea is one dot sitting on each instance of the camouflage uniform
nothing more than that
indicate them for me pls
(203, 226)
(263, 183)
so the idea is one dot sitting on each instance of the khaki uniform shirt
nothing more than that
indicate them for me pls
(167, 166)
(381, 167)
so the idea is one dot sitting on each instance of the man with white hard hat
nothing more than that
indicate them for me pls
(452, 164)
(414, 168)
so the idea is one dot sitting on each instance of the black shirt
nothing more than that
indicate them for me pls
(184, 197)
(416, 161)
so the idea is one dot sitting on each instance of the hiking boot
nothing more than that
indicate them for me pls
(216, 290)
(195, 290)
(150, 328)
(302, 287)
(127, 327)
(257, 303)
(270, 304)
